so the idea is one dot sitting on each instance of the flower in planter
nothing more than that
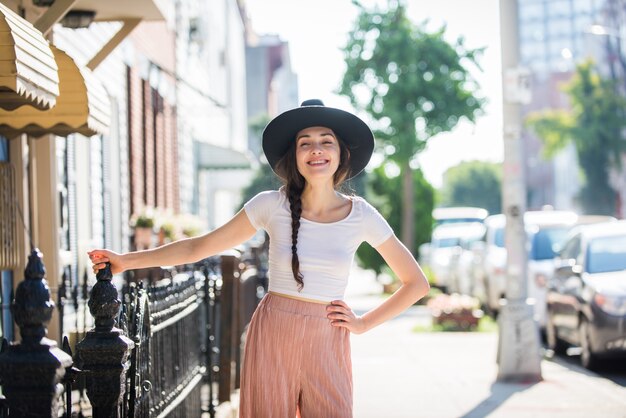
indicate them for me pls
(143, 225)
(457, 312)
(190, 225)
(143, 219)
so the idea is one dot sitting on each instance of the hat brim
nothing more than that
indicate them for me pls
(351, 130)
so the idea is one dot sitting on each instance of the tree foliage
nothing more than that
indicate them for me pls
(595, 125)
(412, 82)
(473, 183)
(382, 191)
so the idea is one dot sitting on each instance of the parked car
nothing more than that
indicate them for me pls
(463, 259)
(489, 264)
(586, 298)
(459, 214)
(445, 247)
(545, 230)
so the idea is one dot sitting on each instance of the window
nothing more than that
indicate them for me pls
(582, 6)
(532, 31)
(558, 8)
(4, 149)
(560, 28)
(571, 248)
(606, 254)
(530, 11)
(499, 238)
(545, 241)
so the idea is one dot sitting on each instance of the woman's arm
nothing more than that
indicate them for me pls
(234, 232)
(414, 287)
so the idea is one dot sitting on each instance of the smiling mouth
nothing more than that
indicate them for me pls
(315, 163)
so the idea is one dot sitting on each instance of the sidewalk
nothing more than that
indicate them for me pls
(399, 373)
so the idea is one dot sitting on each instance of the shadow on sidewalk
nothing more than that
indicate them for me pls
(613, 369)
(500, 392)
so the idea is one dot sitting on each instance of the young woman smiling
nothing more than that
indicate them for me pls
(297, 354)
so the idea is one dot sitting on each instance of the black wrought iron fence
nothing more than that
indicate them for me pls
(175, 352)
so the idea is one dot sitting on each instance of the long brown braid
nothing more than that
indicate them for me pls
(287, 170)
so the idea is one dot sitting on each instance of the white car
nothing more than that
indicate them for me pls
(546, 232)
(463, 259)
(489, 266)
(459, 214)
(445, 247)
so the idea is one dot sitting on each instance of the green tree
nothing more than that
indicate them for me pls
(382, 190)
(595, 125)
(264, 179)
(413, 83)
(473, 183)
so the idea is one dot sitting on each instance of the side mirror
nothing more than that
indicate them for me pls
(568, 270)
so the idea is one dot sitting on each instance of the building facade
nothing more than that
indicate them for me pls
(554, 36)
(161, 88)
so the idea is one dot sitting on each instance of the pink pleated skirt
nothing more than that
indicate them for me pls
(295, 363)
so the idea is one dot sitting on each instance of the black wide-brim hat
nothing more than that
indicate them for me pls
(281, 132)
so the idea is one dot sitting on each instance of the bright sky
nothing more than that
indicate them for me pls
(317, 30)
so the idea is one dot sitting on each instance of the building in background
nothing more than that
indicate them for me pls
(554, 36)
(212, 118)
(272, 85)
(161, 126)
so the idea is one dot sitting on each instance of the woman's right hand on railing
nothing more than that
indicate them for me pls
(100, 257)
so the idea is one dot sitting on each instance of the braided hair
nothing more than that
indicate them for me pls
(287, 170)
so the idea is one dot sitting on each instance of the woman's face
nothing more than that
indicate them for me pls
(317, 153)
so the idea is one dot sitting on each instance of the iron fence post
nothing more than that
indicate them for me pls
(229, 267)
(31, 372)
(103, 353)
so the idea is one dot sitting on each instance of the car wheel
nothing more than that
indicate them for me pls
(552, 337)
(588, 359)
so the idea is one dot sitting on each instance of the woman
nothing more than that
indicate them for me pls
(297, 355)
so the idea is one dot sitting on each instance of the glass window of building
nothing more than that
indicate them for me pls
(4, 149)
(532, 31)
(556, 47)
(559, 28)
(558, 8)
(583, 6)
(530, 11)
(582, 23)
(532, 51)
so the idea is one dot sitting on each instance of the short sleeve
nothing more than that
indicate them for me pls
(260, 208)
(375, 228)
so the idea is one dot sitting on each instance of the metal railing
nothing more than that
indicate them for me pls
(178, 334)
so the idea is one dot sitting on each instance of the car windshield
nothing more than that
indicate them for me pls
(606, 254)
(457, 220)
(545, 241)
(445, 242)
(498, 239)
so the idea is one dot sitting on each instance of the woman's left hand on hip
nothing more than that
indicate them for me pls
(341, 315)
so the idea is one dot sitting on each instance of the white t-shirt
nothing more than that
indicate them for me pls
(325, 250)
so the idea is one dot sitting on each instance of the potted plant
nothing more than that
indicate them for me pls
(143, 225)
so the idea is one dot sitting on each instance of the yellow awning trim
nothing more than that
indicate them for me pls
(82, 107)
(28, 71)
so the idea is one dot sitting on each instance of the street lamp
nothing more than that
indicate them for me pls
(519, 357)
